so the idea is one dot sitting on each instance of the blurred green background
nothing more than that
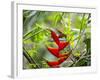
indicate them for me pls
(77, 27)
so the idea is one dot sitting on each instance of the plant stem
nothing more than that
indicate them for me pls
(82, 56)
(33, 35)
(25, 35)
(29, 58)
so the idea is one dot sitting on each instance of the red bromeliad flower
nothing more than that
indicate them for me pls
(55, 64)
(56, 51)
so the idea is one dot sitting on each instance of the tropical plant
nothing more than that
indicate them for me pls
(56, 39)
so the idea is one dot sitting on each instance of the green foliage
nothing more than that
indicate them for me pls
(76, 28)
(83, 62)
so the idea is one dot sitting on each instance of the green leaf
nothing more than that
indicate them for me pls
(88, 45)
(83, 62)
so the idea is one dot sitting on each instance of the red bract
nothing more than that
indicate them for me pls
(57, 63)
(55, 37)
(53, 64)
(56, 51)
(63, 55)
(62, 59)
(63, 44)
